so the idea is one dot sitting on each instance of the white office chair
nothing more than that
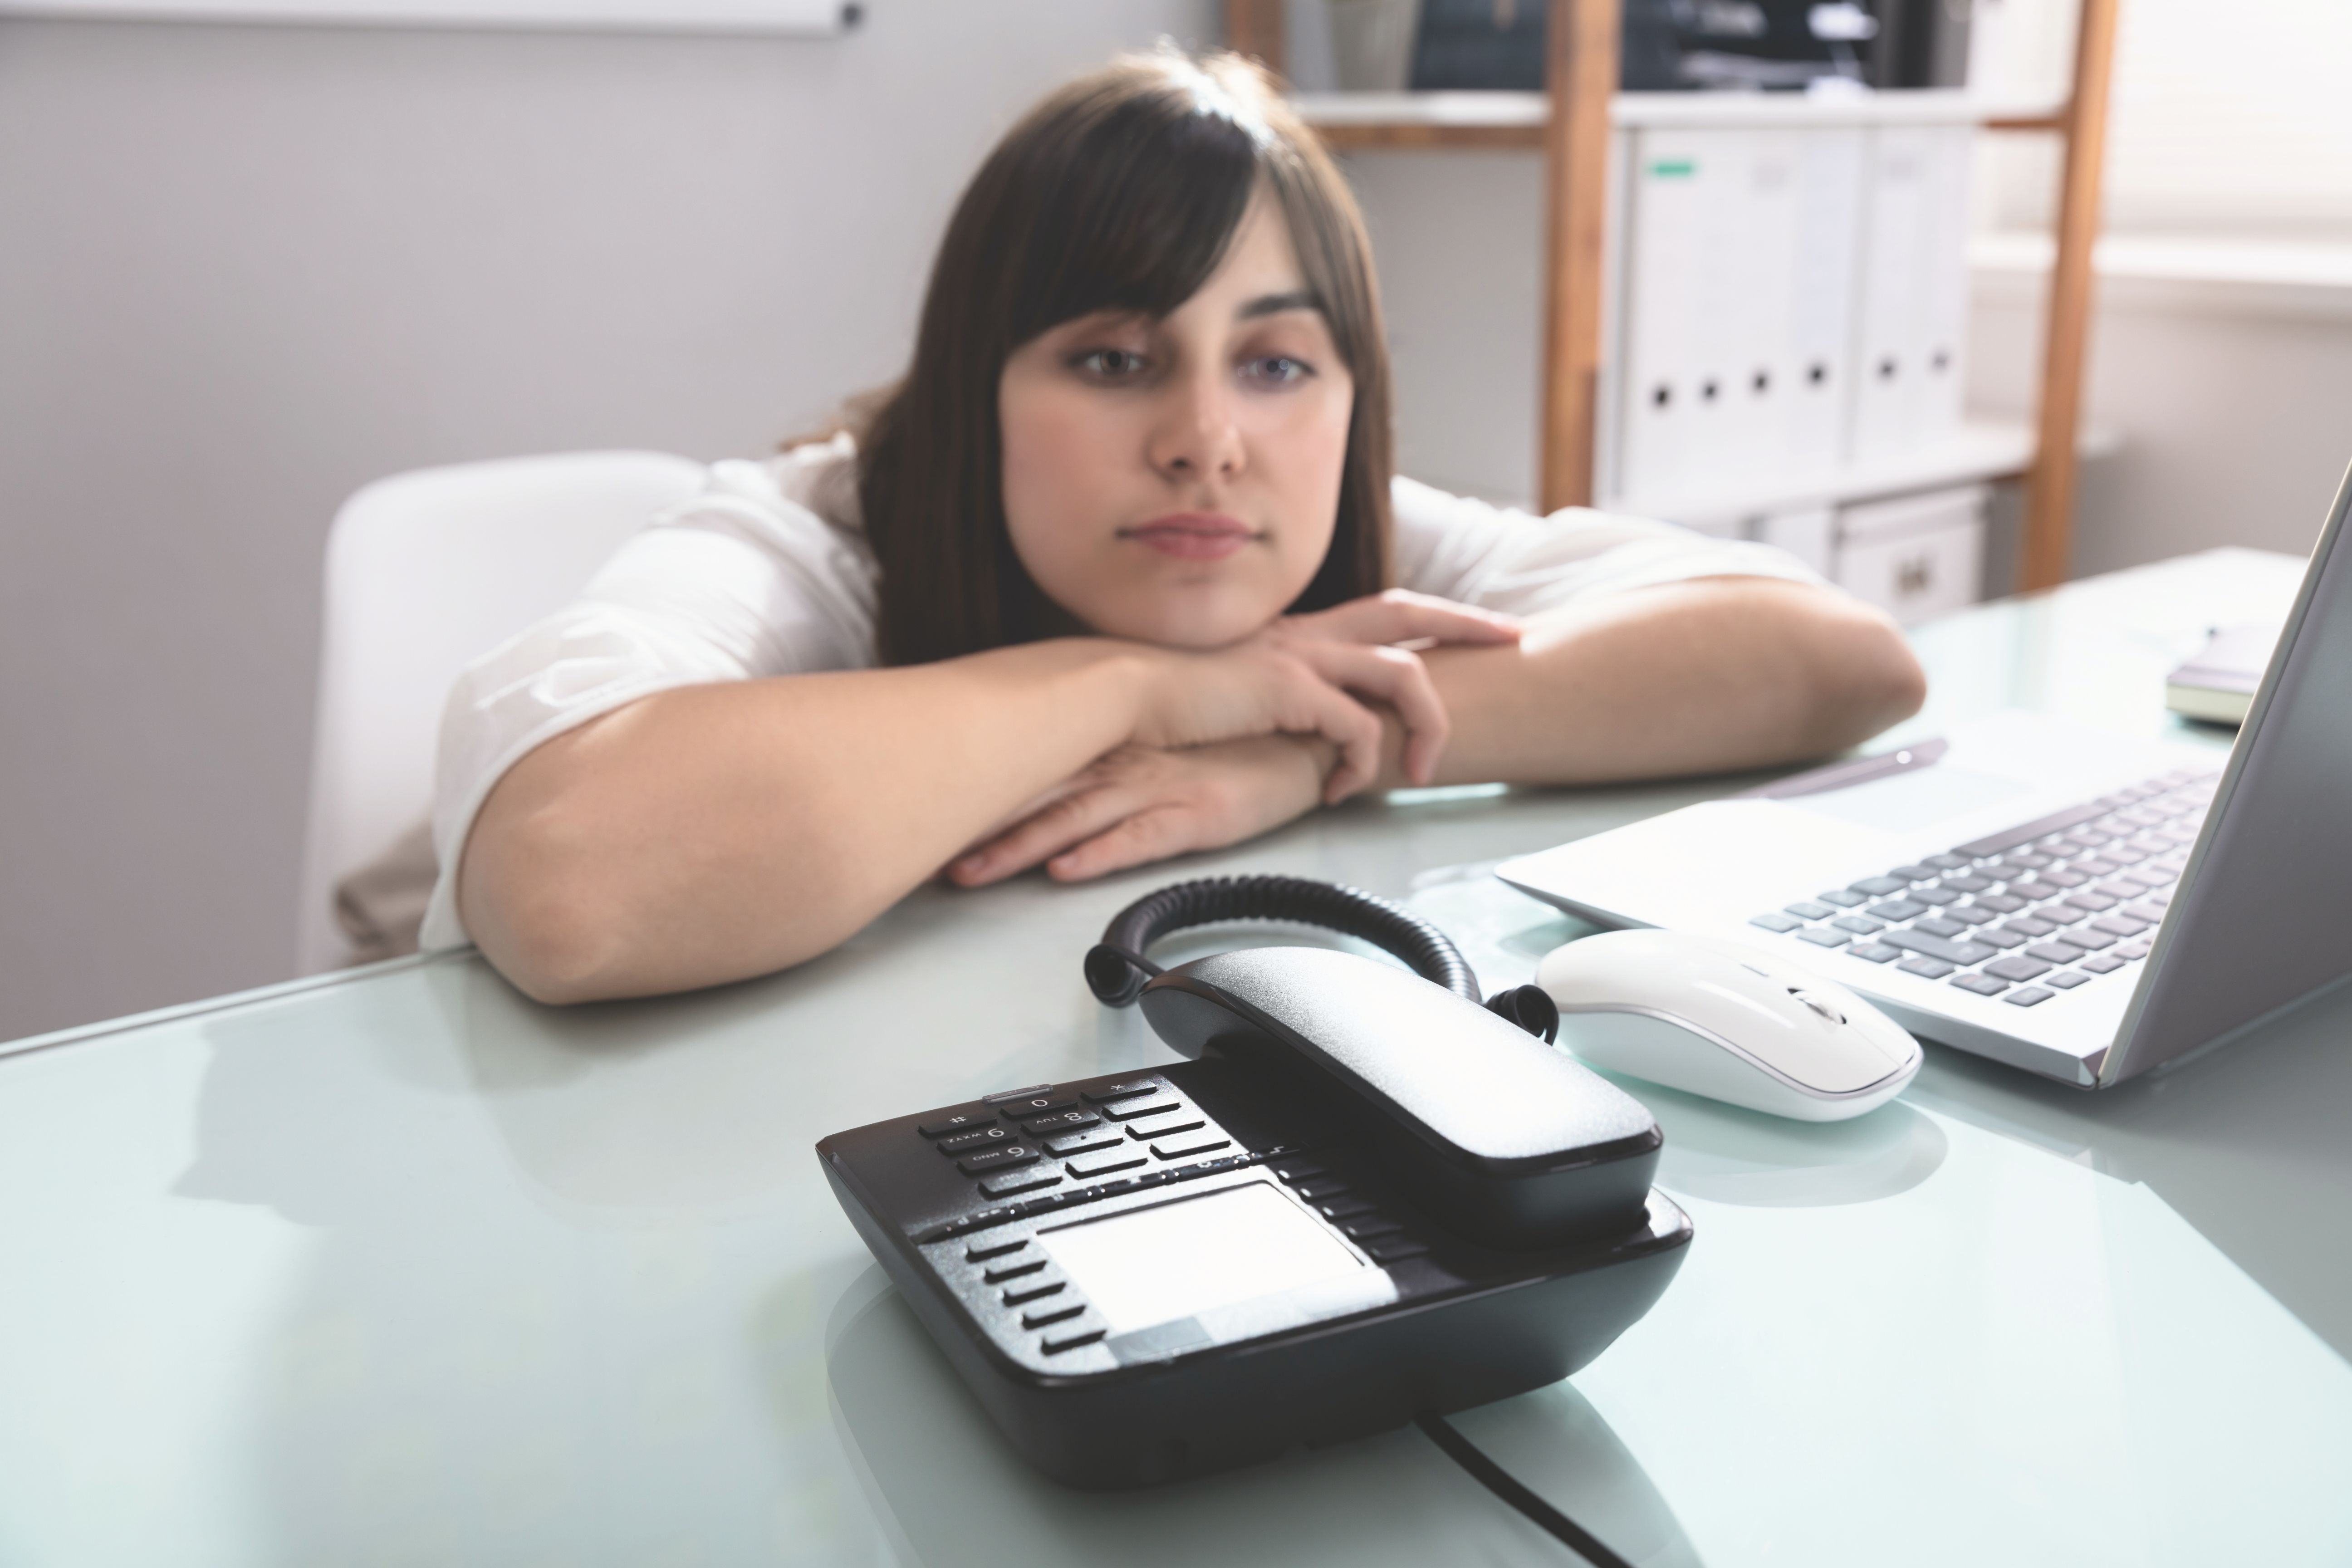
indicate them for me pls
(424, 571)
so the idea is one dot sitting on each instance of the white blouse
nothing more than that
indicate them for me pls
(767, 572)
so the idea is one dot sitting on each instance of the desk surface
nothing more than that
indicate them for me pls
(404, 1269)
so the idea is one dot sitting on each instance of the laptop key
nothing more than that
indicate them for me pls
(1999, 936)
(1967, 884)
(2029, 926)
(1879, 886)
(2025, 860)
(1894, 910)
(2119, 925)
(2087, 936)
(2006, 903)
(1806, 909)
(2017, 967)
(1863, 925)
(2028, 996)
(1982, 985)
(2056, 952)
(1874, 952)
(2092, 866)
(1974, 914)
(1932, 968)
(2103, 964)
(1914, 873)
(2064, 878)
(1845, 898)
(2152, 913)
(2132, 949)
(2065, 980)
(1935, 895)
(2034, 890)
(1947, 862)
(1937, 925)
(1823, 936)
(1777, 921)
(2095, 902)
(1956, 953)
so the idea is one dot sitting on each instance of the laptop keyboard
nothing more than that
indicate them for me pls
(2046, 906)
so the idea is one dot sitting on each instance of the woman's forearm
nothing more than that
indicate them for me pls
(714, 832)
(1688, 678)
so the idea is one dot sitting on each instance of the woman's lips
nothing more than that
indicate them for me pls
(1193, 535)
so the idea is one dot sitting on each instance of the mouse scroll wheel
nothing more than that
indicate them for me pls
(1818, 1005)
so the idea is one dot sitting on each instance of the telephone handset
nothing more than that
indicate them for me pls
(1367, 1198)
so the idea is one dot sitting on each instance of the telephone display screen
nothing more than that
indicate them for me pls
(1173, 1261)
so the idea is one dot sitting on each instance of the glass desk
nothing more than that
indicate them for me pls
(398, 1267)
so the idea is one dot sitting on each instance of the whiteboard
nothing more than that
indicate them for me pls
(808, 18)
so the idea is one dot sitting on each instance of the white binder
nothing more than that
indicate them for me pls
(1668, 174)
(1938, 391)
(1821, 307)
(1897, 232)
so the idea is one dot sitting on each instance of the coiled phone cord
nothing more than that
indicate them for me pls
(1117, 968)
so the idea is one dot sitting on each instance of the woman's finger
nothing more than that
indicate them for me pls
(1399, 679)
(1315, 705)
(1401, 615)
(1152, 835)
(1075, 818)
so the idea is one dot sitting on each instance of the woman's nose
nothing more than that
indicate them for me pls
(1196, 437)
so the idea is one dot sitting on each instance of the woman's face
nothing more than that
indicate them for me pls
(1176, 481)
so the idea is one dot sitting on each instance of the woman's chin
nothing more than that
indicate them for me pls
(1191, 628)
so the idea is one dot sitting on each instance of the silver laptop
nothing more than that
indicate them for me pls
(2071, 902)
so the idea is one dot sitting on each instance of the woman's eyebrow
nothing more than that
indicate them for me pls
(1274, 304)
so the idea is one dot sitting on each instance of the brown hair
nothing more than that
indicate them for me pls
(1119, 192)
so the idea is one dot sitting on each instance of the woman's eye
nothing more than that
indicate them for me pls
(1278, 370)
(1111, 364)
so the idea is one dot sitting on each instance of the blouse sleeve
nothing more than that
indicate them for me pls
(1503, 559)
(738, 583)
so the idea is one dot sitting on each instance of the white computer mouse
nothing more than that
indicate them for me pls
(1726, 1020)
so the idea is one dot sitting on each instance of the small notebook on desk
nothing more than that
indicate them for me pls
(2218, 682)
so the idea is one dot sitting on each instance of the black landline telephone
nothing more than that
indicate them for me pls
(1367, 1199)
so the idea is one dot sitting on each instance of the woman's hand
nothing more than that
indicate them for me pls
(1138, 805)
(1307, 674)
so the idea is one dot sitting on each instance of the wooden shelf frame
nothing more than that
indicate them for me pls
(1573, 134)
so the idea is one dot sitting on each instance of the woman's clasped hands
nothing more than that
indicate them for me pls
(1230, 743)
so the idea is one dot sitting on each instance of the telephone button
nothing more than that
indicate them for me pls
(1345, 1208)
(1132, 1113)
(1035, 1291)
(1001, 1095)
(986, 1250)
(995, 1159)
(1121, 1161)
(1395, 1248)
(1126, 1090)
(965, 1142)
(1365, 1229)
(1062, 1122)
(1026, 1103)
(999, 1274)
(1084, 1142)
(1038, 1320)
(1165, 1129)
(1054, 1344)
(1021, 1181)
(1323, 1187)
(1183, 1147)
(1298, 1170)
(961, 1119)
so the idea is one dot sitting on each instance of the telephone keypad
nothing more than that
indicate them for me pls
(995, 1159)
(1021, 1181)
(984, 1138)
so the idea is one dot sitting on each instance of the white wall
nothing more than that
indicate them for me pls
(244, 271)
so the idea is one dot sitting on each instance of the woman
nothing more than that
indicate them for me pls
(1109, 576)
